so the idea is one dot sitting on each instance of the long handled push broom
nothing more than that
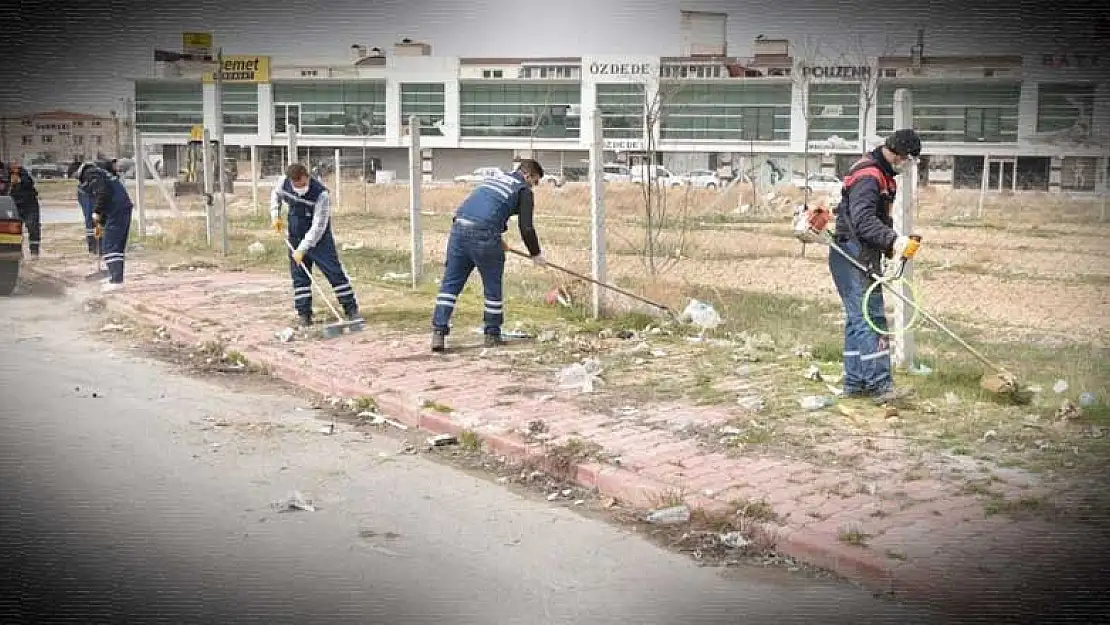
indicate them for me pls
(1000, 382)
(331, 330)
(101, 271)
(603, 285)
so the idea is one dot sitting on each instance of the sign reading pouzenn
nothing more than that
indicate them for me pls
(621, 69)
(243, 69)
(843, 72)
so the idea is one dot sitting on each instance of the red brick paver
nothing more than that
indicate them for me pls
(916, 529)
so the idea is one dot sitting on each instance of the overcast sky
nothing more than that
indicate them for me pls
(81, 56)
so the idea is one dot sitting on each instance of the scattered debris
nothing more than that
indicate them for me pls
(701, 315)
(814, 373)
(582, 376)
(294, 503)
(669, 516)
(441, 440)
(1061, 386)
(358, 245)
(114, 327)
(734, 540)
(286, 335)
(1087, 399)
(816, 402)
(327, 430)
(546, 336)
(397, 277)
(920, 369)
(753, 403)
(256, 249)
(1068, 411)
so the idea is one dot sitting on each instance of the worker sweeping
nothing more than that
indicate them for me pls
(864, 229)
(111, 212)
(311, 240)
(26, 197)
(475, 242)
(85, 202)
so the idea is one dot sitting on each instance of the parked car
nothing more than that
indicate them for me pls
(478, 175)
(11, 245)
(663, 176)
(818, 183)
(702, 179)
(615, 172)
(47, 171)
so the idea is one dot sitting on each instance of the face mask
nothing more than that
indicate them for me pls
(300, 190)
(900, 168)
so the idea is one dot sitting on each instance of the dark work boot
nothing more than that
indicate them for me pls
(494, 340)
(893, 395)
(438, 341)
(305, 319)
(353, 314)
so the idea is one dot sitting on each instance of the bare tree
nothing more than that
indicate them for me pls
(806, 54)
(664, 231)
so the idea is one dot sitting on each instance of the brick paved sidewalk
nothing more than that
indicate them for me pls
(924, 538)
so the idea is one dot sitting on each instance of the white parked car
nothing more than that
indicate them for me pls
(663, 176)
(819, 183)
(615, 172)
(478, 175)
(702, 179)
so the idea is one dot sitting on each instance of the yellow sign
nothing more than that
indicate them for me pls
(11, 239)
(196, 43)
(196, 133)
(243, 69)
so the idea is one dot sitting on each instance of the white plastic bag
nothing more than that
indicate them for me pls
(701, 314)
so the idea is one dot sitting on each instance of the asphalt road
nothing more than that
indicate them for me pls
(59, 212)
(137, 506)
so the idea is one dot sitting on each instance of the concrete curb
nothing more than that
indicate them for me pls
(813, 548)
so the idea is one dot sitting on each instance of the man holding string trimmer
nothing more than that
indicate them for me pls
(864, 229)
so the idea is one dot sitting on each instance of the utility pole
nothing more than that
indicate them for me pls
(221, 175)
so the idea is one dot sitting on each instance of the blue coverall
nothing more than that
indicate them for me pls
(109, 198)
(475, 242)
(864, 229)
(85, 202)
(310, 230)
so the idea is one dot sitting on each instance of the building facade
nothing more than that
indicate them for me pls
(1026, 122)
(61, 136)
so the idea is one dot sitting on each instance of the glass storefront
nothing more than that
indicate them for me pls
(542, 111)
(240, 104)
(956, 112)
(621, 107)
(1063, 106)
(168, 106)
(736, 112)
(833, 110)
(427, 102)
(345, 108)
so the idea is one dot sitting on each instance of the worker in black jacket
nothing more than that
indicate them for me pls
(26, 198)
(865, 229)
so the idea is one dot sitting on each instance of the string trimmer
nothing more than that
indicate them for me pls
(1000, 382)
(603, 285)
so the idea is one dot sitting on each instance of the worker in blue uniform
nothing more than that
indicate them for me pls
(26, 197)
(111, 212)
(310, 236)
(475, 243)
(865, 229)
(85, 202)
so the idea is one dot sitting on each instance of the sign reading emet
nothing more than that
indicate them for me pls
(242, 69)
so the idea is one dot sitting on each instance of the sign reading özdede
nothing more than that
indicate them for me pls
(622, 69)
